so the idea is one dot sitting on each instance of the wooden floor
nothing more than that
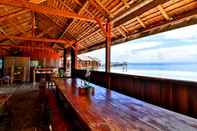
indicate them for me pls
(25, 110)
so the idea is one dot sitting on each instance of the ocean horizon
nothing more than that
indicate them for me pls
(176, 71)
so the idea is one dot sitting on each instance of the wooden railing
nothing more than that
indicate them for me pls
(178, 96)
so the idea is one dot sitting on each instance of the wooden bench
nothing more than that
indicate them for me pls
(57, 121)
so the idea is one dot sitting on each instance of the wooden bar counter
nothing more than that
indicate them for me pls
(106, 110)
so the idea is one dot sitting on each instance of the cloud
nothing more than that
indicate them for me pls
(185, 53)
(184, 33)
(179, 45)
(131, 47)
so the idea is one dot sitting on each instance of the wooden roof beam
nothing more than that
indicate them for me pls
(183, 20)
(45, 32)
(101, 26)
(53, 21)
(141, 22)
(4, 49)
(66, 42)
(124, 29)
(137, 11)
(101, 7)
(82, 8)
(78, 2)
(46, 10)
(13, 23)
(2, 31)
(65, 5)
(13, 14)
(25, 47)
(16, 27)
(163, 12)
(125, 3)
(122, 32)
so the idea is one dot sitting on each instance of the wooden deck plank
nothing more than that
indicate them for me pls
(109, 110)
(25, 110)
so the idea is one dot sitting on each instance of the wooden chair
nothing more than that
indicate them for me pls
(6, 79)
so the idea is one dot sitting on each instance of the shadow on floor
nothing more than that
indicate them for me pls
(25, 112)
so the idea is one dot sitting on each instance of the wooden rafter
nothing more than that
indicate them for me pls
(13, 14)
(4, 49)
(141, 22)
(84, 6)
(125, 3)
(137, 11)
(163, 12)
(185, 19)
(55, 22)
(45, 32)
(66, 42)
(16, 27)
(124, 29)
(90, 31)
(101, 26)
(2, 31)
(122, 32)
(25, 47)
(65, 5)
(78, 2)
(46, 10)
(13, 23)
(101, 7)
(37, 1)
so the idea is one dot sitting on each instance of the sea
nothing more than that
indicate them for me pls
(175, 71)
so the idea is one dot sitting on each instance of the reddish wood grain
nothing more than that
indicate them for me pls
(112, 111)
(176, 95)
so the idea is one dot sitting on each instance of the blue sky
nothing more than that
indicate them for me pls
(178, 45)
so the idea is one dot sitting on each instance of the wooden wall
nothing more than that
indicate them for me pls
(9, 61)
(178, 96)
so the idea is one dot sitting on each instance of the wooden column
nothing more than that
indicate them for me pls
(33, 24)
(108, 47)
(74, 53)
(65, 57)
(108, 53)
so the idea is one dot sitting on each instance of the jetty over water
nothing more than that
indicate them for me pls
(123, 65)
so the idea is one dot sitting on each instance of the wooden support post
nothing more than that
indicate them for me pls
(34, 76)
(33, 24)
(108, 52)
(108, 47)
(65, 57)
(74, 53)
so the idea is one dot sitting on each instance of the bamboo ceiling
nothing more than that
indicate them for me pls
(49, 22)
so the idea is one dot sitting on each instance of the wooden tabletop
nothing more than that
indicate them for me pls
(108, 110)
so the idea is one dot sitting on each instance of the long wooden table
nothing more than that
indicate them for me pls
(107, 110)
